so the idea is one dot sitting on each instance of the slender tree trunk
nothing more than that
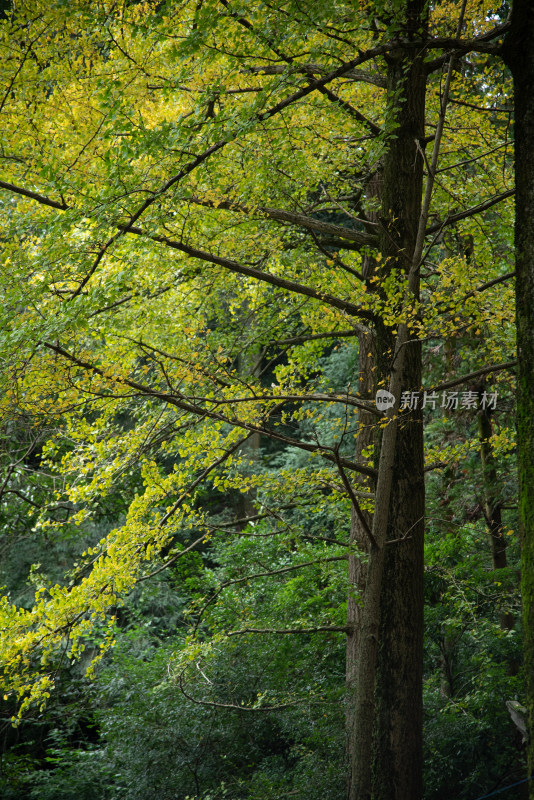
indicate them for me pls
(388, 723)
(519, 54)
(492, 505)
(357, 566)
(249, 367)
(367, 360)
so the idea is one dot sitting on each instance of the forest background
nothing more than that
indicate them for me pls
(225, 226)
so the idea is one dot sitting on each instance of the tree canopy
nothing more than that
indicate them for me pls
(225, 227)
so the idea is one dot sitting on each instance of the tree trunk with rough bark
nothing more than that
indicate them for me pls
(519, 54)
(397, 752)
(386, 757)
(357, 565)
(492, 505)
(359, 540)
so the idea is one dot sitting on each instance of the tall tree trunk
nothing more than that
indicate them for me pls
(392, 719)
(519, 54)
(399, 706)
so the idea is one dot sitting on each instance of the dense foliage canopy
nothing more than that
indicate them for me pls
(224, 227)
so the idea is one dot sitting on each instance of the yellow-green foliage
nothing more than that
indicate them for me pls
(166, 171)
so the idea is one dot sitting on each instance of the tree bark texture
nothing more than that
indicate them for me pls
(386, 760)
(359, 539)
(397, 752)
(519, 54)
(492, 506)
(357, 566)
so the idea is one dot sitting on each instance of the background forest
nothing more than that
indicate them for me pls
(224, 226)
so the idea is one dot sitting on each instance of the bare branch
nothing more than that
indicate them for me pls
(353, 498)
(318, 629)
(470, 212)
(261, 275)
(472, 375)
(281, 215)
(40, 198)
(234, 706)
(183, 402)
(373, 78)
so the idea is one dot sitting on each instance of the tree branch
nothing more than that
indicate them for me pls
(39, 198)
(373, 78)
(281, 215)
(353, 498)
(265, 574)
(234, 706)
(312, 337)
(374, 129)
(470, 212)
(181, 401)
(318, 629)
(254, 272)
(472, 375)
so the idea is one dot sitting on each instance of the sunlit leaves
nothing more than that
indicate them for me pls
(170, 384)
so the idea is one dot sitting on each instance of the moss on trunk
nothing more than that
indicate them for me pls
(519, 54)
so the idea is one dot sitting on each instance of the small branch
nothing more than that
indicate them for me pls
(292, 217)
(489, 284)
(436, 465)
(474, 292)
(353, 498)
(491, 109)
(281, 571)
(40, 198)
(374, 78)
(313, 336)
(471, 160)
(376, 130)
(188, 405)
(174, 559)
(265, 574)
(22, 497)
(200, 478)
(471, 375)
(234, 706)
(319, 629)
(254, 272)
(470, 212)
